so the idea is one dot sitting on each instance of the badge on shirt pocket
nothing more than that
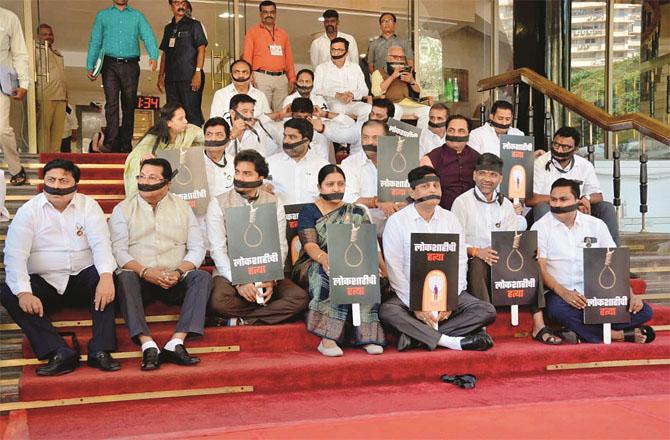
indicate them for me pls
(276, 50)
(172, 42)
(79, 230)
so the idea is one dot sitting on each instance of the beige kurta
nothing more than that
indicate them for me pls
(193, 136)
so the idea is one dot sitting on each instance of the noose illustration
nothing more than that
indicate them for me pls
(398, 157)
(252, 226)
(515, 250)
(184, 176)
(607, 268)
(356, 259)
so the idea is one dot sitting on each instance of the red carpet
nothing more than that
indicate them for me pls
(252, 415)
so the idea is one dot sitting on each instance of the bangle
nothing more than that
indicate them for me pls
(144, 272)
(319, 256)
(475, 251)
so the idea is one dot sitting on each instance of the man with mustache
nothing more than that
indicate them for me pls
(486, 139)
(57, 254)
(379, 47)
(115, 35)
(246, 130)
(304, 88)
(268, 50)
(295, 170)
(460, 329)
(341, 82)
(183, 56)
(562, 160)
(482, 210)
(562, 236)
(240, 72)
(319, 51)
(454, 161)
(158, 245)
(433, 135)
(282, 299)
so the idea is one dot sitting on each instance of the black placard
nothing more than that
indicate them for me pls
(190, 183)
(515, 277)
(606, 285)
(353, 263)
(396, 156)
(403, 129)
(434, 272)
(517, 155)
(294, 245)
(253, 243)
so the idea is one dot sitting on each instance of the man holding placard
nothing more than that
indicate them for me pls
(563, 161)
(361, 171)
(563, 235)
(486, 139)
(460, 327)
(235, 295)
(483, 210)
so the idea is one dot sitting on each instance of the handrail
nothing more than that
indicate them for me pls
(644, 124)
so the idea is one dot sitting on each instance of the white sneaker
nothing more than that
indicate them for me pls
(330, 351)
(374, 349)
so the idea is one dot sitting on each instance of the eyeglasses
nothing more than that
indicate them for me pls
(62, 180)
(565, 147)
(151, 178)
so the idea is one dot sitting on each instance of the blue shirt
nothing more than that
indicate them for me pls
(116, 34)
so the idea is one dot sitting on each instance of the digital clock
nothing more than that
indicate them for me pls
(148, 102)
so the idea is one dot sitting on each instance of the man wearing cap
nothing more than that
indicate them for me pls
(158, 245)
(458, 329)
(283, 299)
(319, 51)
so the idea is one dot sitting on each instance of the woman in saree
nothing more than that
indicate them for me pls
(325, 319)
(172, 131)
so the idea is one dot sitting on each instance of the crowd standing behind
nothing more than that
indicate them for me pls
(270, 139)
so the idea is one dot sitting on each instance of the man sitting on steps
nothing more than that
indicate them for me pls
(58, 254)
(158, 245)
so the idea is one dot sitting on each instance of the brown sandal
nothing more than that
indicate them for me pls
(19, 178)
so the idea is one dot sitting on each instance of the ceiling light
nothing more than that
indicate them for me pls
(229, 15)
(321, 19)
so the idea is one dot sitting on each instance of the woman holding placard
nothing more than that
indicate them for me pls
(325, 319)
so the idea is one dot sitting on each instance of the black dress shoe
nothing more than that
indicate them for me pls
(179, 356)
(59, 364)
(103, 361)
(480, 341)
(405, 342)
(150, 359)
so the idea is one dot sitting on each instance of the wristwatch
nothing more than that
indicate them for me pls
(198, 69)
(180, 272)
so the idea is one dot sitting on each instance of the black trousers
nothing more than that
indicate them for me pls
(80, 291)
(181, 92)
(120, 79)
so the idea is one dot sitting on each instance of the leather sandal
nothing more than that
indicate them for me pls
(553, 339)
(650, 333)
(19, 178)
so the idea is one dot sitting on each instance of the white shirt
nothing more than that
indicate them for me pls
(582, 171)
(361, 176)
(330, 79)
(221, 101)
(118, 227)
(397, 245)
(263, 142)
(71, 123)
(428, 141)
(56, 245)
(13, 52)
(319, 51)
(218, 238)
(319, 143)
(484, 139)
(346, 134)
(563, 248)
(317, 100)
(479, 219)
(296, 182)
(220, 175)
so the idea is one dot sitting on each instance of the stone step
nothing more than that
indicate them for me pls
(656, 243)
